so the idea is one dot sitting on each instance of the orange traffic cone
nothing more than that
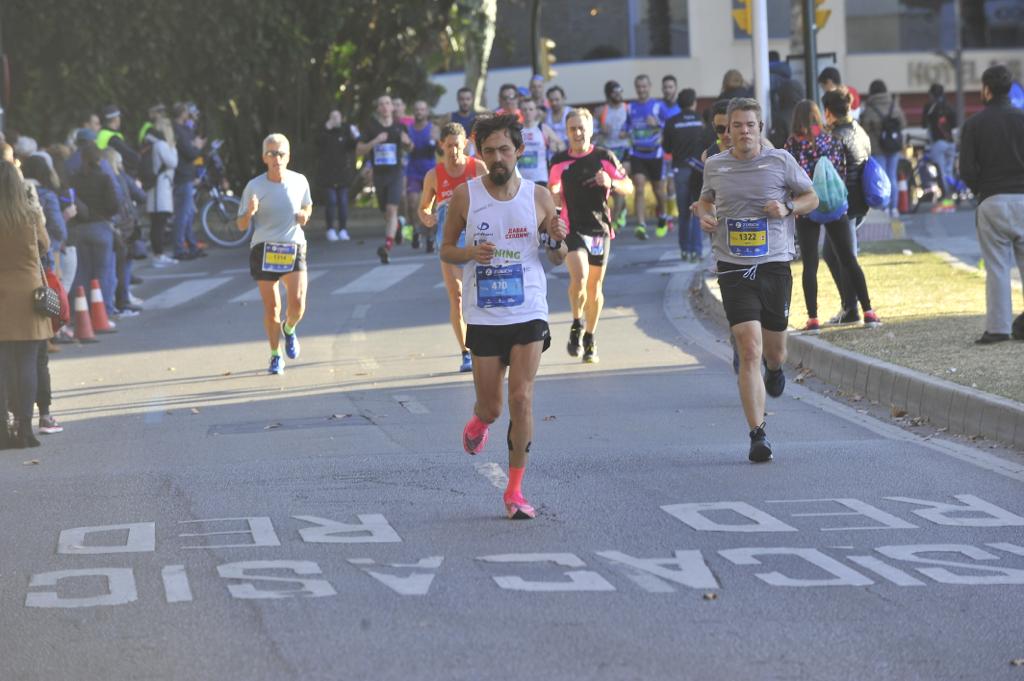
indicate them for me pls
(904, 195)
(83, 325)
(97, 310)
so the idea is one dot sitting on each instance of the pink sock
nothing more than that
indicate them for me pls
(515, 482)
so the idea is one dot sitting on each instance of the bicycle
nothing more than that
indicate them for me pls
(216, 204)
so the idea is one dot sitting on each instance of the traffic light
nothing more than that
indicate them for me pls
(743, 17)
(821, 15)
(547, 58)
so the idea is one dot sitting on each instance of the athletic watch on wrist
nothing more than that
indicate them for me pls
(789, 207)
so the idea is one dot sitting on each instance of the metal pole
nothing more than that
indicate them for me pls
(3, 76)
(535, 36)
(958, 62)
(810, 51)
(759, 41)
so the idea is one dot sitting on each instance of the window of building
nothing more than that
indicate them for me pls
(593, 30)
(929, 25)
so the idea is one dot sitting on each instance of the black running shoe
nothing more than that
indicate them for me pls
(574, 341)
(589, 350)
(416, 241)
(760, 448)
(430, 245)
(383, 254)
(845, 316)
(774, 380)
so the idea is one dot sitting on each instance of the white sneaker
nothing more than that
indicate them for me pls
(343, 235)
(163, 260)
(332, 235)
(135, 300)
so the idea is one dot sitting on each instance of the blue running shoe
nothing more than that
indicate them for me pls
(467, 363)
(276, 365)
(291, 345)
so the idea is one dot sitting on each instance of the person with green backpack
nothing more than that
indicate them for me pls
(822, 157)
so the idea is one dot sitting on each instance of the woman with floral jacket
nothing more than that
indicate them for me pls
(808, 143)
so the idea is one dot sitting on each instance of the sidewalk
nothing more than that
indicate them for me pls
(946, 405)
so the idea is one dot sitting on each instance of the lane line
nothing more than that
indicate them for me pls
(253, 294)
(494, 474)
(378, 279)
(357, 336)
(184, 292)
(368, 363)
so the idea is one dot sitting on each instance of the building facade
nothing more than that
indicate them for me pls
(697, 41)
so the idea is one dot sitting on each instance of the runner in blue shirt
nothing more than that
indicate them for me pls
(644, 123)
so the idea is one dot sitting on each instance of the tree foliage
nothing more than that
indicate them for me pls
(252, 66)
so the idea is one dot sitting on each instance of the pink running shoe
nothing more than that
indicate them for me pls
(474, 436)
(518, 508)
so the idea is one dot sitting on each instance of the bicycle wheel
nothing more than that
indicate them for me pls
(218, 218)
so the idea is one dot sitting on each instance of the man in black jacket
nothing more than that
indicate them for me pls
(992, 165)
(683, 137)
(190, 146)
(336, 146)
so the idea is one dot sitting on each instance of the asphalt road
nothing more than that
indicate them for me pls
(199, 519)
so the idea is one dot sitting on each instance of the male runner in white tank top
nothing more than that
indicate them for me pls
(505, 290)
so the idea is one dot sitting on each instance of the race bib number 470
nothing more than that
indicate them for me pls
(499, 286)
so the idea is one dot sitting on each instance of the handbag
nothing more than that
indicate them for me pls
(45, 300)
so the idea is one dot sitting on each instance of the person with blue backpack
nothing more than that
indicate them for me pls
(867, 187)
(884, 121)
(823, 158)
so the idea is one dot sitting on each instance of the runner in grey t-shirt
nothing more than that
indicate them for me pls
(277, 205)
(748, 204)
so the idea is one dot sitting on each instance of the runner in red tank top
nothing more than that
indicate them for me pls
(438, 187)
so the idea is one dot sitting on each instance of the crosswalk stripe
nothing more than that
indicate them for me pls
(184, 292)
(253, 294)
(378, 279)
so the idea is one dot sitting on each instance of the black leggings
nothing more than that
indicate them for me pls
(157, 227)
(18, 378)
(43, 392)
(838, 233)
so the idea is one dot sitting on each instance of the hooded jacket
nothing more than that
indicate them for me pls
(874, 108)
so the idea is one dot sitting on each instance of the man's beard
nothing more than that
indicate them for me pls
(499, 175)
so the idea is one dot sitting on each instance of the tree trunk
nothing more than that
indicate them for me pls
(478, 39)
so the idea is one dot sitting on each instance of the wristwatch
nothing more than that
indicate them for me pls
(789, 207)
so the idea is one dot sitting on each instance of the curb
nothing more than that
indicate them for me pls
(957, 408)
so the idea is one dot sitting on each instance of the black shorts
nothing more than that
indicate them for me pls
(256, 264)
(387, 185)
(574, 242)
(497, 341)
(763, 297)
(651, 168)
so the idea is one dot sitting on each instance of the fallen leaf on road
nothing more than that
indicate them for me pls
(272, 426)
(898, 413)
(226, 373)
(710, 596)
(33, 462)
(171, 369)
(1017, 662)
(194, 410)
(550, 418)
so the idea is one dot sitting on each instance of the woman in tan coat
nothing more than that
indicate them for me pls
(23, 331)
